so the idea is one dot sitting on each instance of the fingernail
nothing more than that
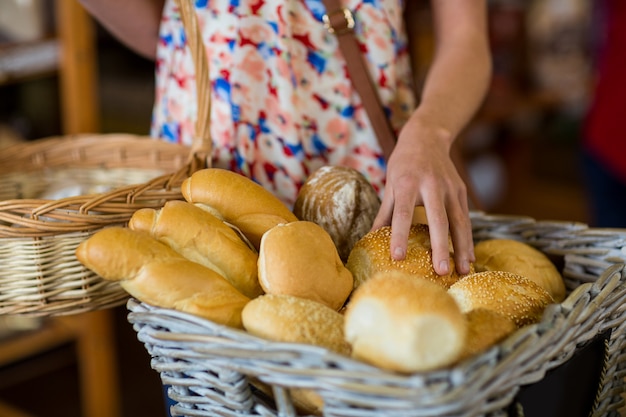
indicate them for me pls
(398, 253)
(443, 267)
(465, 267)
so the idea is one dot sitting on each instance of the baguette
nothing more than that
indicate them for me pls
(156, 274)
(241, 201)
(202, 238)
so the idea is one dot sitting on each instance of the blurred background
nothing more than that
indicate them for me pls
(60, 73)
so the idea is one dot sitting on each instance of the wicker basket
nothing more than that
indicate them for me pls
(212, 370)
(107, 178)
(39, 233)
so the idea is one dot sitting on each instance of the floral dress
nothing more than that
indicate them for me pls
(281, 101)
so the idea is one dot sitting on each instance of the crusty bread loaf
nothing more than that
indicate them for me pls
(285, 318)
(241, 201)
(506, 293)
(522, 259)
(156, 274)
(342, 201)
(404, 324)
(203, 238)
(371, 254)
(485, 328)
(300, 259)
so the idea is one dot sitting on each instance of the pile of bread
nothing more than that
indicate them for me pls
(231, 252)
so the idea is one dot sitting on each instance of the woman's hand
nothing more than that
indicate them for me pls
(421, 173)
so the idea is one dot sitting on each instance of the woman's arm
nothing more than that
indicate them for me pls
(420, 170)
(134, 22)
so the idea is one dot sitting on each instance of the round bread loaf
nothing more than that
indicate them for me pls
(485, 328)
(241, 201)
(404, 324)
(285, 318)
(203, 238)
(522, 259)
(342, 201)
(509, 294)
(300, 259)
(371, 254)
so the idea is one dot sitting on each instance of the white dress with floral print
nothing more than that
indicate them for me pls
(281, 102)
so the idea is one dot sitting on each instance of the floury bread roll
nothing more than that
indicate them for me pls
(404, 324)
(285, 318)
(522, 259)
(371, 254)
(156, 274)
(203, 238)
(506, 293)
(340, 200)
(300, 259)
(241, 201)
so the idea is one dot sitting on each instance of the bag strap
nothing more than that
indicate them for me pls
(339, 21)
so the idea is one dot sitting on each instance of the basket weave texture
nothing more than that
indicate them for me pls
(107, 178)
(211, 368)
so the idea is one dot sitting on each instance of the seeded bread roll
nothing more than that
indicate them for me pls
(371, 254)
(506, 293)
(485, 328)
(300, 259)
(156, 274)
(241, 201)
(342, 201)
(203, 238)
(522, 259)
(404, 324)
(285, 318)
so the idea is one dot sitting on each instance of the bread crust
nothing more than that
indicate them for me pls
(520, 258)
(371, 254)
(241, 201)
(203, 238)
(285, 318)
(156, 274)
(342, 201)
(509, 294)
(404, 324)
(300, 259)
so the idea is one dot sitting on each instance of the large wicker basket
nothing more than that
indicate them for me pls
(214, 370)
(54, 193)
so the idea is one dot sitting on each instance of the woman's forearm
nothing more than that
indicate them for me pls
(461, 68)
(134, 22)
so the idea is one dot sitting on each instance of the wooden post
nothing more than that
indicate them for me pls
(77, 68)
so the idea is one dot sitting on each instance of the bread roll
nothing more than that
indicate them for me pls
(340, 200)
(506, 293)
(300, 259)
(371, 255)
(285, 318)
(156, 274)
(404, 324)
(203, 238)
(485, 328)
(522, 259)
(241, 201)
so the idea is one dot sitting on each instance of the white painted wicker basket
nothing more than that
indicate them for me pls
(211, 368)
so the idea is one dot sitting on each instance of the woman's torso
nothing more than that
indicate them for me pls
(281, 102)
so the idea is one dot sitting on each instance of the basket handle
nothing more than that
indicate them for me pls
(202, 143)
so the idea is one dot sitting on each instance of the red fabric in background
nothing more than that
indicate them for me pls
(605, 129)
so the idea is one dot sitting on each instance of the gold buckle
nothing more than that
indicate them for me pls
(348, 18)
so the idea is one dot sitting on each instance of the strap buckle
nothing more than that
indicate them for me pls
(339, 22)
